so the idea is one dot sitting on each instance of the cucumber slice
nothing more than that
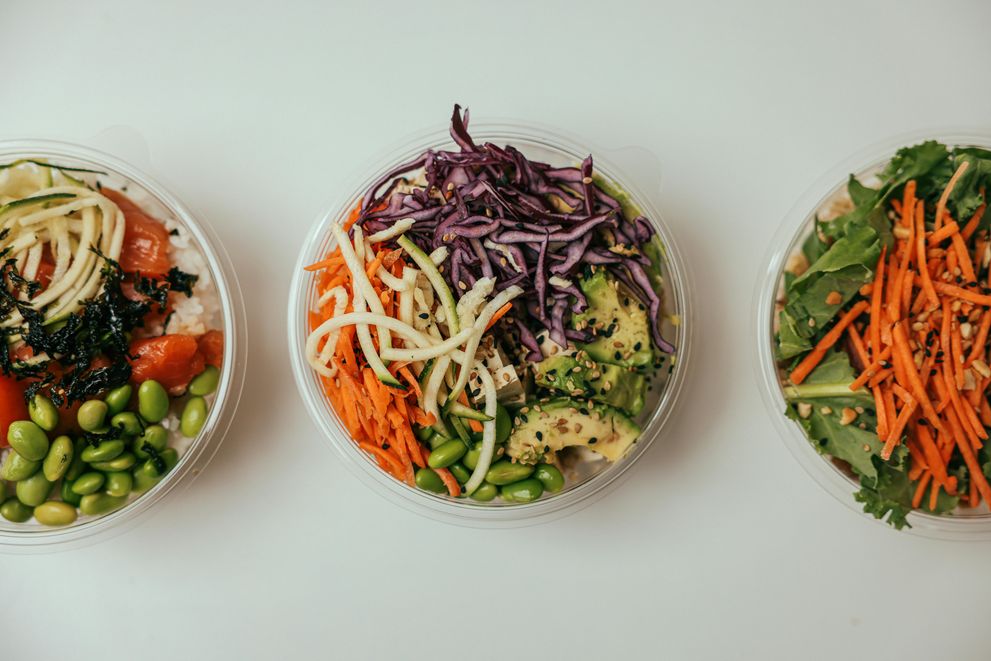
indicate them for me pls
(39, 199)
(436, 279)
(460, 429)
(460, 410)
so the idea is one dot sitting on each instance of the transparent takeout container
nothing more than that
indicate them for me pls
(159, 203)
(797, 225)
(537, 143)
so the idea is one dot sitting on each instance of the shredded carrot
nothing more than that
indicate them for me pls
(499, 315)
(810, 362)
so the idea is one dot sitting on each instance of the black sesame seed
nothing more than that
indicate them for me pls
(592, 440)
(540, 435)
(424, 315)
(617, 355)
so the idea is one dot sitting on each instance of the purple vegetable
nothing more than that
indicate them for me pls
(485, 201)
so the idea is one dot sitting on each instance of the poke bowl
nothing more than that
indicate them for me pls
(122, 335)
(872, 325)
(489, 328)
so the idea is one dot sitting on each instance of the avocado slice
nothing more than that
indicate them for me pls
(576, 374)
(617, 319)
(545, 428)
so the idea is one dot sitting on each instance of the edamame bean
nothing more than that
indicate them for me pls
(15, 467)
(153, 401)
(118, 483)
(28, 439)
(118, 399)
(470, 459)
(120, 463)
(54, 513)
(88, 483)
(100, 503)
(128, 421)
(522, 491)
(423, 433)
(550, 477)
(67, 494)
(460, 473)
(428, 480)
(43, 412)
(504, 424)
(446, 454)
(155, 436)
(92, 415)
(34, 490)
(15, 511)
(193, 417)
(145, 477)
(59, 458)
(506, 472)
(206, 382)
(485, 492)
(105, 451)
(78, 465)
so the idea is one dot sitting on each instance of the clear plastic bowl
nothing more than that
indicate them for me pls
(32, 536)
(797, 225)
(538, 143)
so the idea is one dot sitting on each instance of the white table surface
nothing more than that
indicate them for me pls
(718, 545)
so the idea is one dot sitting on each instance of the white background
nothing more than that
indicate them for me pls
(717, 546)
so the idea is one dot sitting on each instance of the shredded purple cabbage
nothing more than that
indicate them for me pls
(492, 207)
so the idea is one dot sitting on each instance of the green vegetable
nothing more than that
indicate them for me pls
(127, 421)
(460, 473)
(523, 491)
(15, 467)
(88, 483)
(119, 483)
(118, 399)
(77, 466)
(550, 477)
(437, 281)
(43, 412)
(446, 454)
(59, 458)
(100, 503)
(68, 495)
(462, 411)
(206, 382)
(193, 417)
(105, 451)
(155, 436)
(428, 480)
(504, 472)
(119, 463)
(28, 439)
(15, 511)
(504, 424)
(33, 491)
(92, 415)
(485, 492)
(54, 513)
(153, 401)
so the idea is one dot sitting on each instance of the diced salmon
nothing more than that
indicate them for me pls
(12, 405)
(172, 360)
(212, 347)
(146, 241)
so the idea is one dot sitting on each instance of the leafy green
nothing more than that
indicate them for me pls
(966, 195)
(891, 495)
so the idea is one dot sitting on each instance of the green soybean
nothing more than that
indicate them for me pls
(105, 451)
(118, 483)
(100, 503)
(460, 473)
(504, 424)
(153, 401)
(59, 458)
(127, 421)
(15, 467)
(155, 436)
(206, 382)
(28, 439)
(118, 399)
(506, 472)
(522, 491)
(78, 465)
(193, 417)
(120, 463)
(92, 415)
(67, 494)
(470, 459)
(54, 513)
(43, 412)
(34, 490)
(428, 480)
(485, 492)
(550, 477)
(88, 483)
(15, 511)
(147, 475)
(446, 454)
